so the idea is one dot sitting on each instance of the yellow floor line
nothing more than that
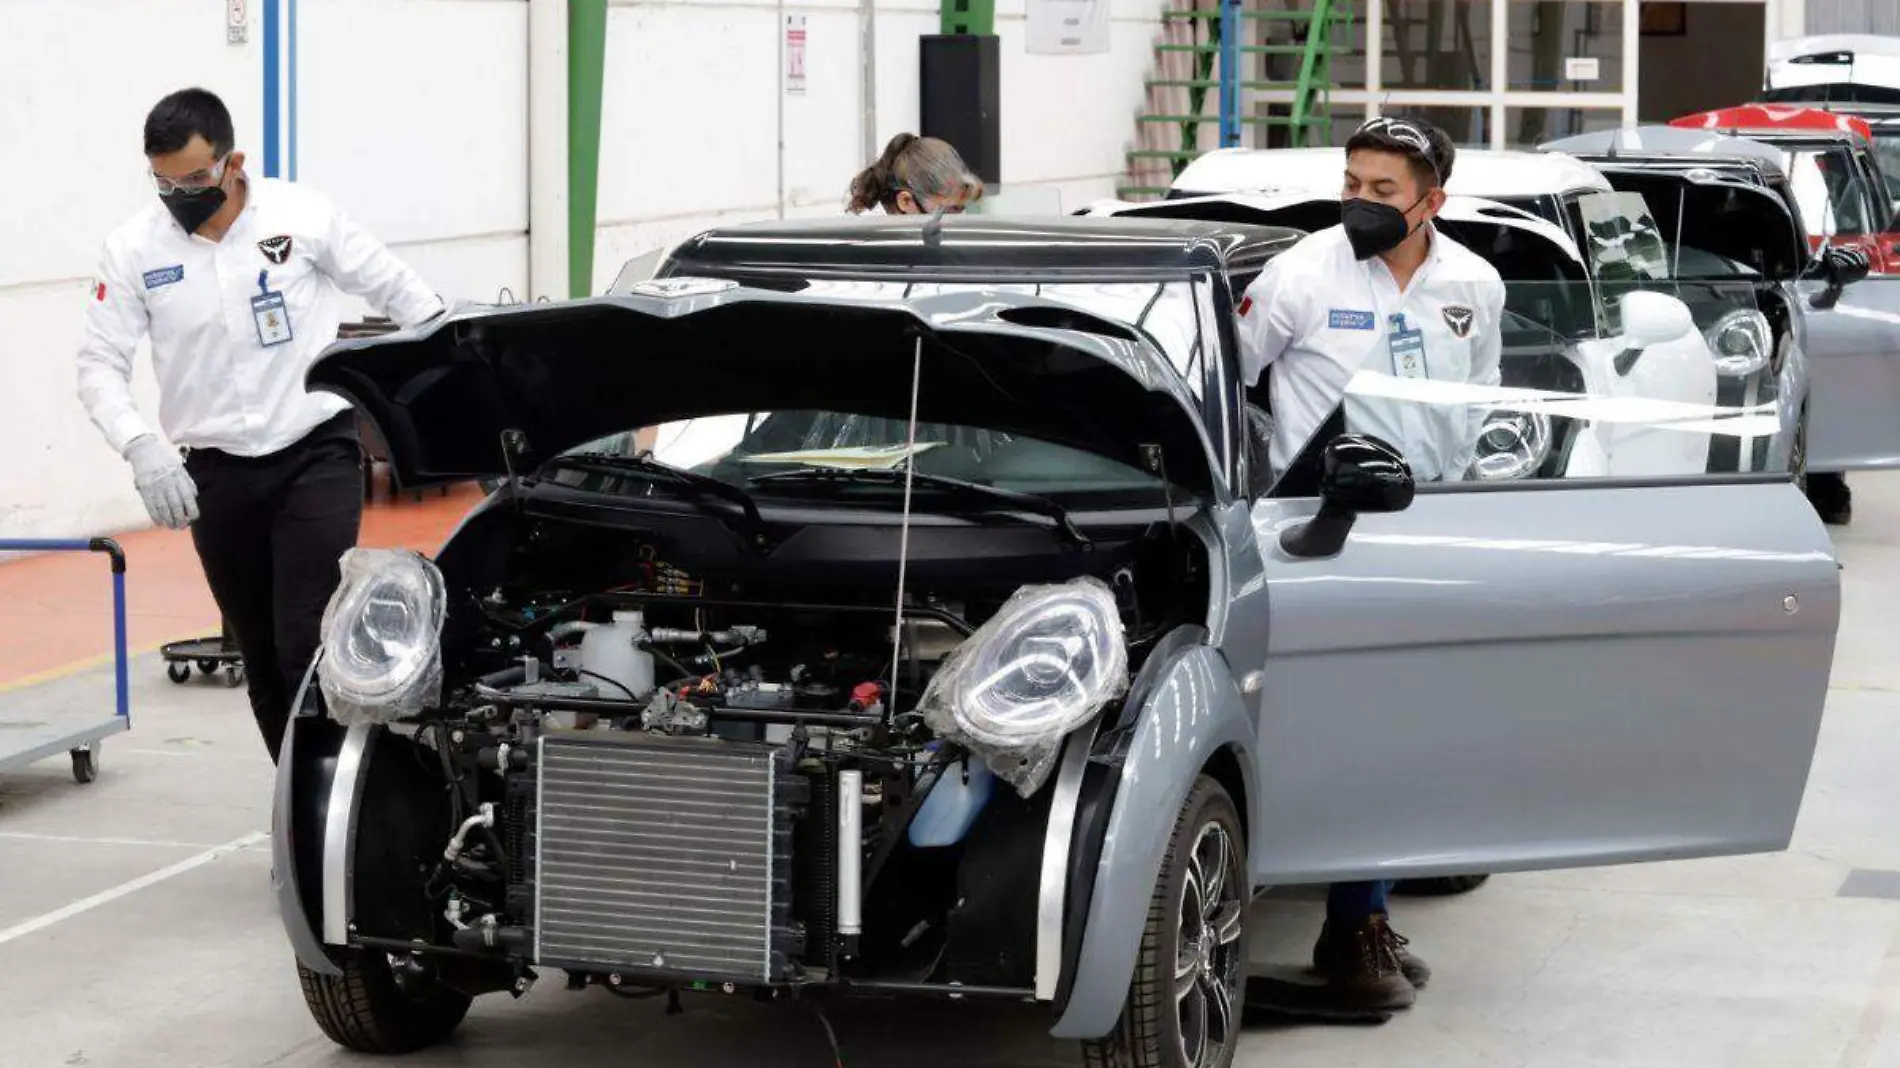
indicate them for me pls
(77, 666)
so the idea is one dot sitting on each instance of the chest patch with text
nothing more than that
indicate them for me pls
(275, 249)
(1348, 319)
(164, 276)
(1458, 320)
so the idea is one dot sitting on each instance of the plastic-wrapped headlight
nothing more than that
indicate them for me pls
(1741, 341)
(1041, 667)
(382, 637)
(1511, 445)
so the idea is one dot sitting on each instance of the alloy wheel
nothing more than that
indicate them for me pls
(1209, 956)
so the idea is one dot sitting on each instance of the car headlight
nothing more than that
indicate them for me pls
(1041, 667)
(1741, 341)
(1511, 445)
(382, 636)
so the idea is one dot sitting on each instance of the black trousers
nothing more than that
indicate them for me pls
(271, 531)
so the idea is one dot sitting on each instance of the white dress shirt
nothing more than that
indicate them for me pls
(220, 385)
(1324, 317)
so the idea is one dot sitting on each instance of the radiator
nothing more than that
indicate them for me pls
(665, 857)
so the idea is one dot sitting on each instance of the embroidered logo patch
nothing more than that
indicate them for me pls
(98, 291)
(1459, 320)
(1348, 319)
(164, 276)
(275, 249)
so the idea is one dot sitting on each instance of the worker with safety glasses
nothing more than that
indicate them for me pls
(1385, 293)
(239, 283)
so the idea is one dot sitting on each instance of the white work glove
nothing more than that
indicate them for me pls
(171, 497)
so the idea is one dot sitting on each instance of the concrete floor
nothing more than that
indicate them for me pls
(136, 930)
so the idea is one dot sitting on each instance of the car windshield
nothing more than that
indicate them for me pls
(1174, 316)
(741, 449)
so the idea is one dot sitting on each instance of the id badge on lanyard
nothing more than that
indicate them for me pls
(1408, 348)
(270, 313)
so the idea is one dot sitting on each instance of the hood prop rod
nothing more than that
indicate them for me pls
(514, 444)
(903, 536)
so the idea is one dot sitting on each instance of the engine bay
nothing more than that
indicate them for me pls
(643, 757)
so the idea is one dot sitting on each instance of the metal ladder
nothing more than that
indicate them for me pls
(1200, 53)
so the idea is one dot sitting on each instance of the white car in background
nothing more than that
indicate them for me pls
(1595, 384)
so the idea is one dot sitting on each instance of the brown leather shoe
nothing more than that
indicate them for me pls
(1368, 965)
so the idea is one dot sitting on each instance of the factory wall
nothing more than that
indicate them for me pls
(413, 114)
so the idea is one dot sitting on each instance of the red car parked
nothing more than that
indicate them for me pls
(1831, 163)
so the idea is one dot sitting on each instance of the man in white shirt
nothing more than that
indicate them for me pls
(239, 283)
(1382, 294)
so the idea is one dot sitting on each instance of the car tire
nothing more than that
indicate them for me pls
(1442, 886)
(364, 1010)
(1160, 1028)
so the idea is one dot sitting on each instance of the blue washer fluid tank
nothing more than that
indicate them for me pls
(962, 789)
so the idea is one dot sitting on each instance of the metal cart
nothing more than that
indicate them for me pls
(210, 654)
(27, 739)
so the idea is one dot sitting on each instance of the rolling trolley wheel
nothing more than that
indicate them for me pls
(86, 763)
(178, 671)
(207, 667)
(235, 678)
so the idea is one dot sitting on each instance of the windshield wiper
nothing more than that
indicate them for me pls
(644, 464)
(884, 476)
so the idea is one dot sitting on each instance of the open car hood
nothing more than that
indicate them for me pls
(1732, 217)
(569, 373)
(1522, 246)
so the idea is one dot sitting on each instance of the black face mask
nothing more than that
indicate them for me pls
(193, 208)
(1372, 227)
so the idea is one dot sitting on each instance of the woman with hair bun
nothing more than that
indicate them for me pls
(915, 176)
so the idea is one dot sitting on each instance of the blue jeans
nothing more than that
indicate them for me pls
(1349, 904)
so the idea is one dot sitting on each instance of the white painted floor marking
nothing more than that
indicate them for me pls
(106, 897)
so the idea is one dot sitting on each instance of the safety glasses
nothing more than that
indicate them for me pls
(1405, 133)
(190, 183)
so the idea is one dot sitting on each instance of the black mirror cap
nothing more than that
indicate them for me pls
(1361, 473)
(1846, 264)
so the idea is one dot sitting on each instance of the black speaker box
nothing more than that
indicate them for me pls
(960, 90)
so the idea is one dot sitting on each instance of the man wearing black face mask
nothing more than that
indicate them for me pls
(239, 282)
(1385, 292)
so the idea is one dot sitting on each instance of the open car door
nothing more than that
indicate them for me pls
(1725, 227)
(1546, 672)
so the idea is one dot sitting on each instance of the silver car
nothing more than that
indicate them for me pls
(940, 639)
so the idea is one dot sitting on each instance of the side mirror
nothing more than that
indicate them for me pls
(1359, 473)
(1840, 266)
(1650, 319)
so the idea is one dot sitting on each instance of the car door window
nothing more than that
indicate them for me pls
(1658, 401)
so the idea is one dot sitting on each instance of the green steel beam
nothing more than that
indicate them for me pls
(976, 17)
(586, 71)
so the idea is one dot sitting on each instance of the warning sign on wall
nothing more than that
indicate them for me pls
(795, 54)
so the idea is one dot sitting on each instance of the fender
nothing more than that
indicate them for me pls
(1193, 712)
(306, 766)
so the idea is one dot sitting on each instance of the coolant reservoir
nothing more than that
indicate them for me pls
(611, 653)
(961, 791)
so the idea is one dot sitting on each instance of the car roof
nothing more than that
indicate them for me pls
(976, 245)
(1476, 172)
